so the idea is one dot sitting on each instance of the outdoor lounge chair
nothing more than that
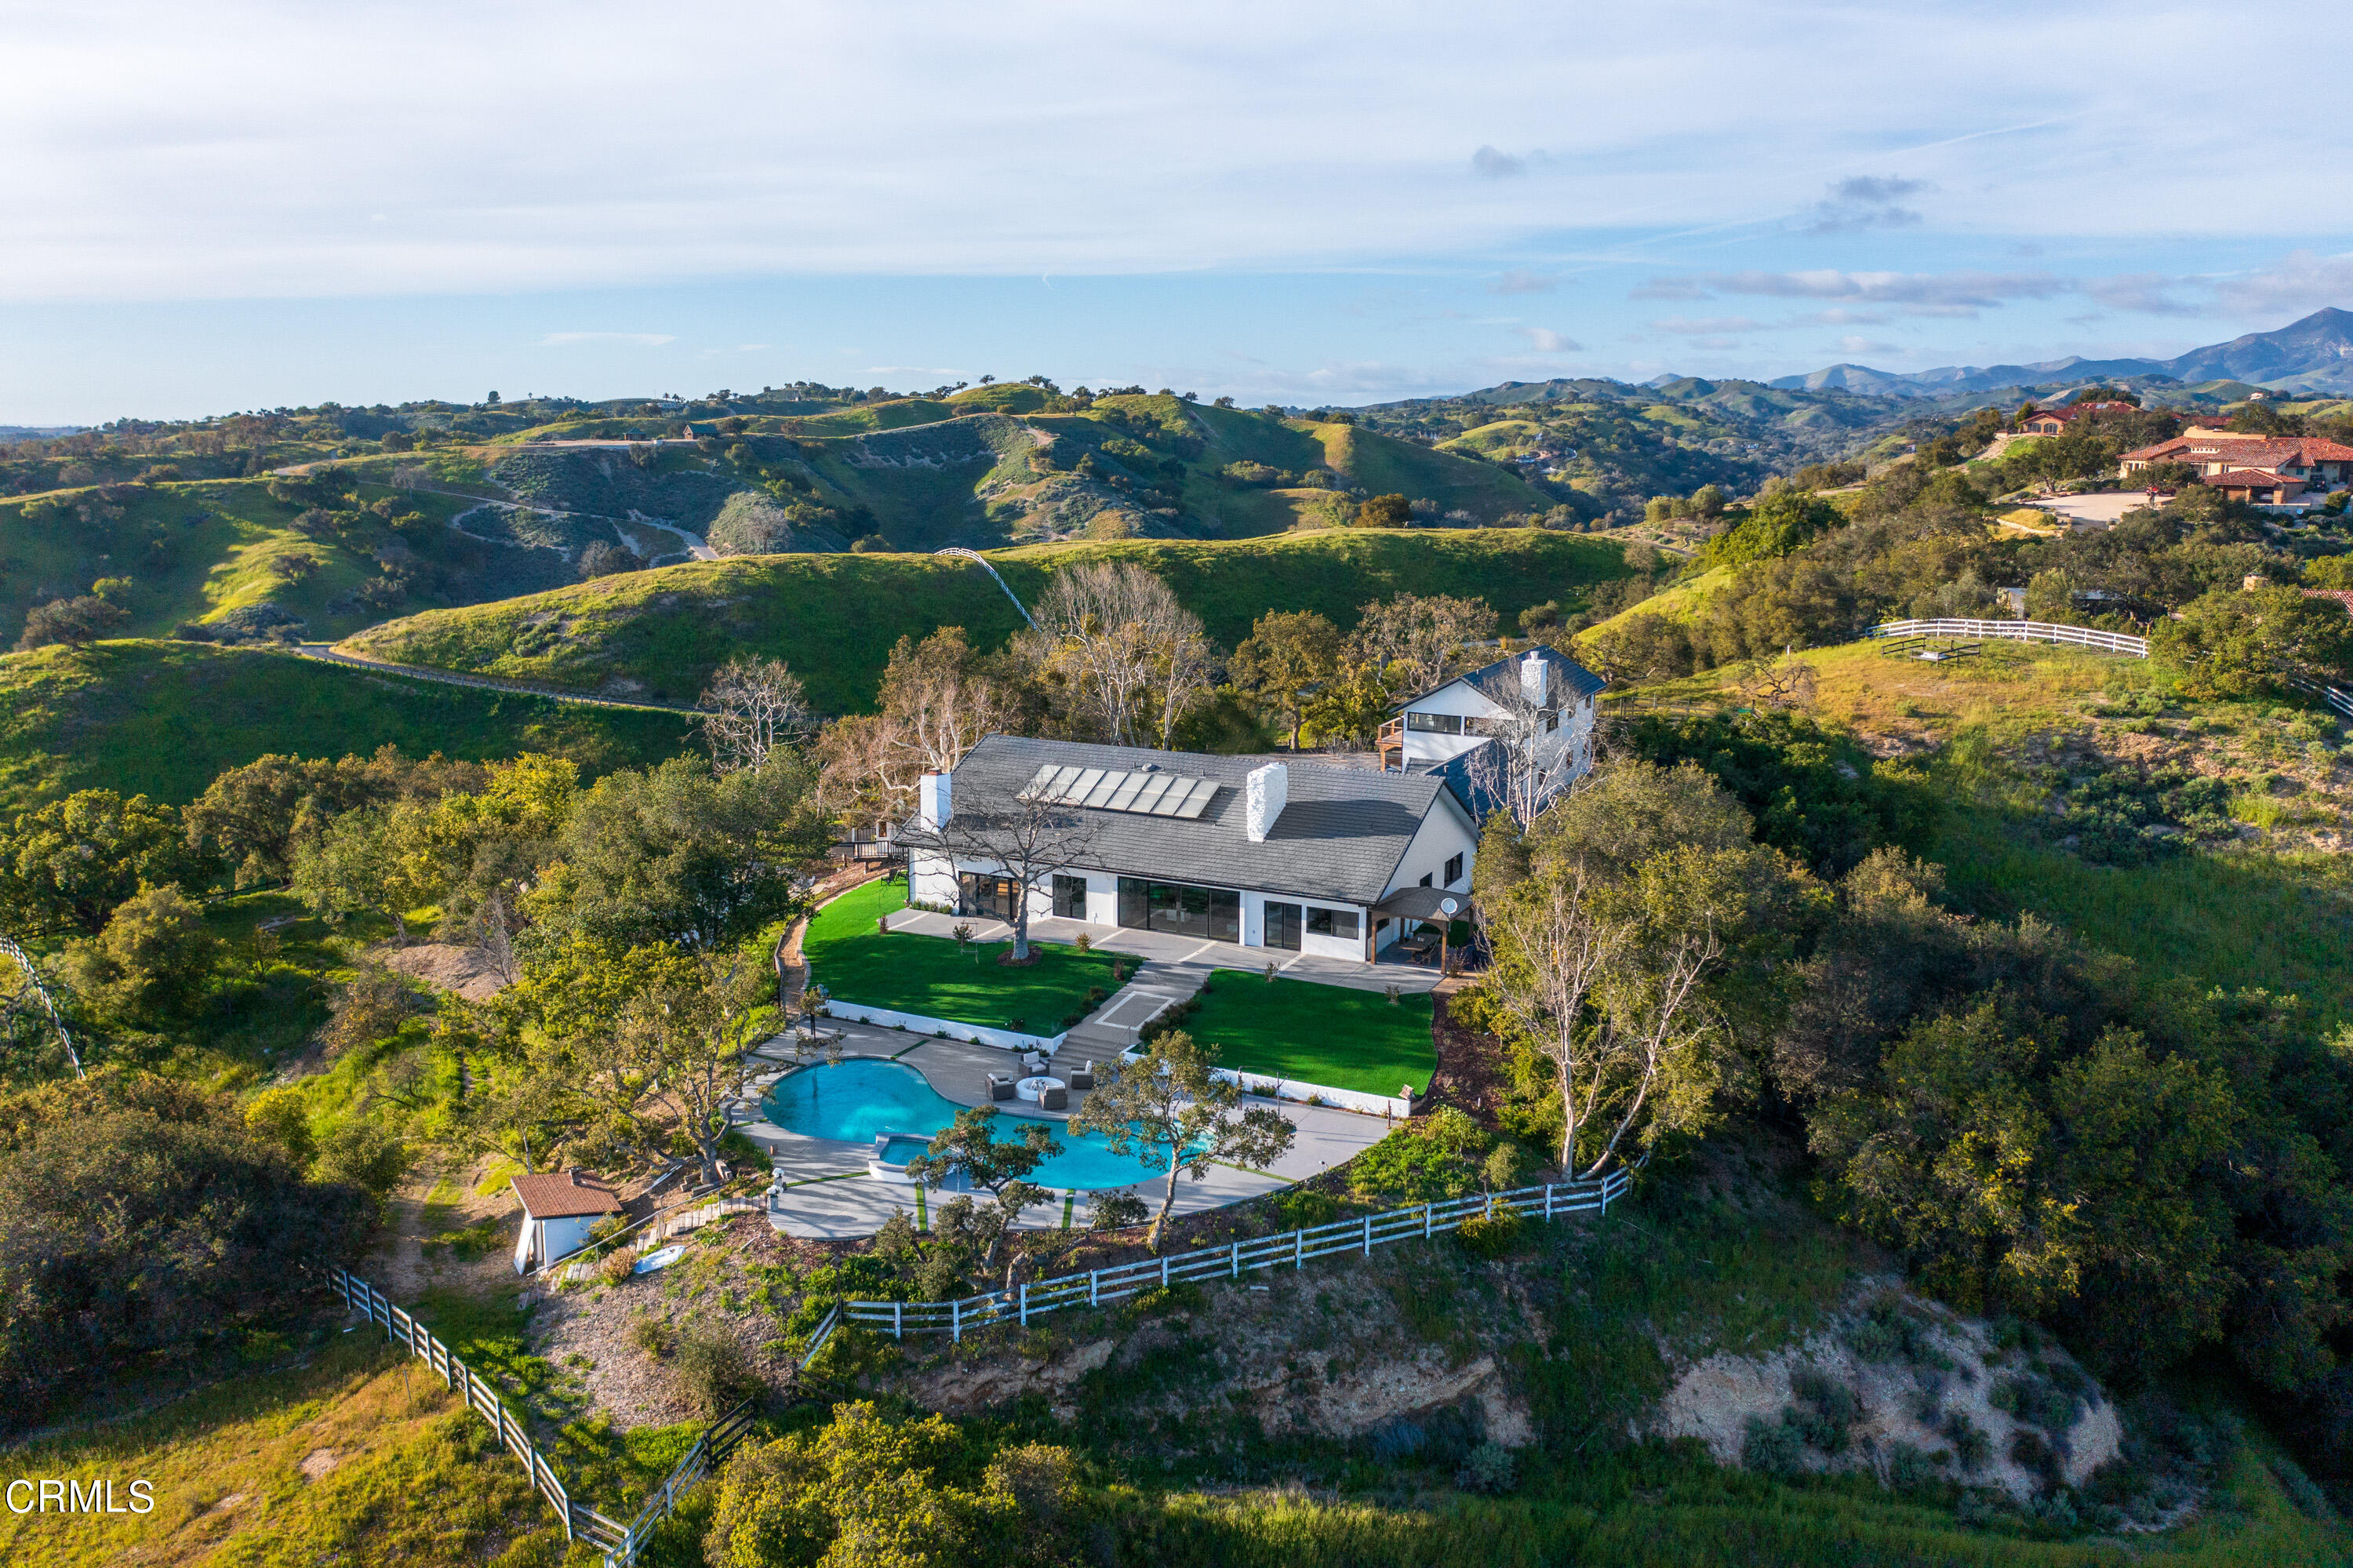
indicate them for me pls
(1083, 1078)
(999, 1088)
(1054, 1098)
(1033, 1063)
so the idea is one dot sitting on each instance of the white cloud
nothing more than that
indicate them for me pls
(1547, 341)
(2302, 282)
(1865, 201)
(1930, 291)
(150, 144)
(630, 339)
(1853, 344)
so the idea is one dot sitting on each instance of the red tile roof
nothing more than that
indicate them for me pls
(565, 1193)
(2342, 596)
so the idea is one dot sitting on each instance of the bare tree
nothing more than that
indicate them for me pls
(936, 703)
(1419, 641)
(1635, 891)
(1782, 683)
(1022, 837)
(750, 707)
(1131, 658)
(1535, 752)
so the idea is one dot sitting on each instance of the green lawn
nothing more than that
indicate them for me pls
(162, 718)
(932, 976)
(1312, 1033)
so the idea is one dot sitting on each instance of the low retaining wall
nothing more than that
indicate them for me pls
(1268, 1086)
(1002, 1038)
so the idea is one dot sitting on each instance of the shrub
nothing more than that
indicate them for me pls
(1909, 1468)
(1972, 1447)
(713, 1373)
(616, 1266)
(1771, 1447)
(1824, 1411)
(1489, 1469)
(1491, 1236)
(1303, 1208)
(1115, 1208)
(654, 1336)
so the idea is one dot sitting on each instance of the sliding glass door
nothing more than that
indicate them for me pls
(1180, 909)
(1283, 926)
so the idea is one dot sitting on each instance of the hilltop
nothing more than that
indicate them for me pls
(834, 618)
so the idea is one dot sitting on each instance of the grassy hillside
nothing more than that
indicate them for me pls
(2001, 734)
(834, 618)
(1385, 465)
(162, 718)
(197, 551)
(1678, 600)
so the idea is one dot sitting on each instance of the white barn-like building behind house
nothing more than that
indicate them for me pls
(1290, 855)
(1442, 729)
(558, 1211)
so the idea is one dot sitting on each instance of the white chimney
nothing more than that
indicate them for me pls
(1268, 791)
(1534, 679)
(933, 809)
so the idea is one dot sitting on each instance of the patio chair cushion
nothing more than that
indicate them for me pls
(1055, 1098)
(1083, 1078)
(999, 1088)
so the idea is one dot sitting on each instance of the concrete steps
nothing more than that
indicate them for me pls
(1152, 990)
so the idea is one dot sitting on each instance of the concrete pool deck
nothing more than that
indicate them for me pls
(823, 1191)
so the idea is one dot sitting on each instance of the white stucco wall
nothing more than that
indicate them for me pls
(542, 1242)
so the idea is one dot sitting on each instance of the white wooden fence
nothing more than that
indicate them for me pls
(1292, 1248)
(621, 1544)
(2337, 699)
(2017, 631)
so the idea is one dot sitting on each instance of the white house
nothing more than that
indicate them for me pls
(1282, 855)
(557, 1211)
(1542, 700)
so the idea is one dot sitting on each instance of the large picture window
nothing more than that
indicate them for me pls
(1213, 913)
(995, 896)
(1434, 724)
(1332, 922)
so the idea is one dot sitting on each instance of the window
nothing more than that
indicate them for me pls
(1552, 722)
(1435, 724)
(1215, 913)
(1071, 897)
(993, 896)
(1283, 926)
(1426, 879)
(1332, 922)
(1454, 871)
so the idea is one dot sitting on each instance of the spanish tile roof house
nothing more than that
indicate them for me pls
(2307, 459)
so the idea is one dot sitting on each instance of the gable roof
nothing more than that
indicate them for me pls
(563, 1194)
(1342, 833)
(1568, 675)
(2249, 479)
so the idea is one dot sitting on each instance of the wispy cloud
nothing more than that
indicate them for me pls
(1853, 344)
(1706, 326)
(633, 339)
(1940, 292)
(1547, 341)
(1865, 201)
(2302, 282)
(1520, 282)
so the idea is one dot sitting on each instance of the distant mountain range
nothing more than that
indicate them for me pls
(2315, 355)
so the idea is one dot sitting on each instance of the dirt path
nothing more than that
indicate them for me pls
(330, 653)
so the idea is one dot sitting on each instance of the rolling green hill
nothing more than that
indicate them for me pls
(162, 718)
(834, 618)
(198, 551)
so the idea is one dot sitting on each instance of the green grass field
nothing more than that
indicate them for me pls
(834, 618)
(1312, 1033)
(162, 718)
(936, 977)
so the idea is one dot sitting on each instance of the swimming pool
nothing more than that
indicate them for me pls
(859, 1100)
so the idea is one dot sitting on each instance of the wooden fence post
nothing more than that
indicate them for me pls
(956, 1322)
(897, 1319)
(1368, 1235)
(1025, 1303)
(1425, 1222)
(1235, 1273)
(1299, 1249)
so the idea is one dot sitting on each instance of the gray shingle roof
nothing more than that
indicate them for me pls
(1340, 836)
(1568, 674)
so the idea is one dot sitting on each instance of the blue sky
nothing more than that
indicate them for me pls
(250, 204)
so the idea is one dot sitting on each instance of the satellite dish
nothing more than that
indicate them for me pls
(1448, 905)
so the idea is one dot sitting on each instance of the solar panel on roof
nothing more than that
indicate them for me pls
(1099, 792)
(1151, 793)
(1155, 785)
(1081, 779)
(1124, 795)
(1198, 799)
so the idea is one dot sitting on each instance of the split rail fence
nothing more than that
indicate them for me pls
(2337, 699)
(1292, 1248)
(2017, 631)
(621, 1544)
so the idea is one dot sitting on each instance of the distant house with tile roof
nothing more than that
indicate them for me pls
(558, 1209)
(2054, 421)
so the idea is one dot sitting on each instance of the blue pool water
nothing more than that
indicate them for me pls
(857, 1101)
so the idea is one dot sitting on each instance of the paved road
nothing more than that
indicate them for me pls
(328, 653)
